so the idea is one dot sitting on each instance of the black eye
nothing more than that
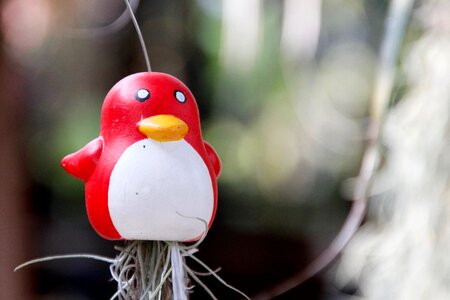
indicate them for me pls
(179, 95)
(142, 95)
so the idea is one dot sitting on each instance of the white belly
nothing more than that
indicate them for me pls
(159, 191)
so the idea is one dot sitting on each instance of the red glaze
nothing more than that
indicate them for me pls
(121, 113)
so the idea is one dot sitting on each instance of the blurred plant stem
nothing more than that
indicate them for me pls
(396, 20)
(403, 242)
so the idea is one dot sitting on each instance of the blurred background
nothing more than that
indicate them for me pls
(284, 90)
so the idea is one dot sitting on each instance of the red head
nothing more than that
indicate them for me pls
(133, 100)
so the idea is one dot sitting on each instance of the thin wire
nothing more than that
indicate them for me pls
(104, 31)
(139, 33)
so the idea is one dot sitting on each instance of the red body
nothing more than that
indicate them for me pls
(121, 113)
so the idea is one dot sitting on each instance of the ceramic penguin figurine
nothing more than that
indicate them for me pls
(149, 175)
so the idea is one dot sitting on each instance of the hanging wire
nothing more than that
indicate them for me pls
(104, 31)
(139, 33)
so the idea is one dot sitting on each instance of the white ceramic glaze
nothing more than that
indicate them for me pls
(159, 190)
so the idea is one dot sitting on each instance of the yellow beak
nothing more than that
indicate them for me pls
(163, 128)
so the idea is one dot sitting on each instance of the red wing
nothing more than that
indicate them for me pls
(82, 163)
(214, 158)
